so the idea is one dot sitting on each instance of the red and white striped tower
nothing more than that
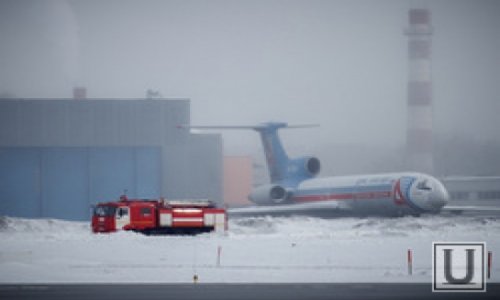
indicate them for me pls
(419, 155)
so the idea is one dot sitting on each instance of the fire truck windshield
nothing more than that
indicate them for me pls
(104, 211)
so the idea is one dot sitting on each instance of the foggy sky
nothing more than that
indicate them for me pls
(341, 64)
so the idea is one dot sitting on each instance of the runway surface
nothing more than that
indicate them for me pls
(237, 291)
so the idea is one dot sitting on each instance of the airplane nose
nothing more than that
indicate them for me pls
(439, 196)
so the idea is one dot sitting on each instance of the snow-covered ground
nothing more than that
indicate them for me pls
(265, 249)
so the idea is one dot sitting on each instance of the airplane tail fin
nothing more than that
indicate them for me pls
(277, 159)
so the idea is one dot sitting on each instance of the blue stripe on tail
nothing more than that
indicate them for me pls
(276, 157)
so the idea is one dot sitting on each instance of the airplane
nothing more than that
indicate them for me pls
(295, 188)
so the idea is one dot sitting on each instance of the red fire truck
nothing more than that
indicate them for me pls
(158, 216)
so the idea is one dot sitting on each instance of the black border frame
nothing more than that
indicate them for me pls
(483, 280)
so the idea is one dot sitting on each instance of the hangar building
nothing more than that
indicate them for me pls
(58, 157)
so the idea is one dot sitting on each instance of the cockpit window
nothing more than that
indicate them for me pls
(104, 211)
(423, 185)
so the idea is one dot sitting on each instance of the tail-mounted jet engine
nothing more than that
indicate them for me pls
(269, 194)
(303, 167)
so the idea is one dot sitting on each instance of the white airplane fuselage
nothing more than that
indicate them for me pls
(380, 194)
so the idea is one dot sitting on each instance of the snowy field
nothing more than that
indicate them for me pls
(254, 250)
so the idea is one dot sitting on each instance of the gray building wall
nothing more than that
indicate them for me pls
(99, 139)
(97, 122)
(474, 190)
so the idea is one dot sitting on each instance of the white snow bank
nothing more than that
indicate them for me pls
(18, 225)
(263, 249)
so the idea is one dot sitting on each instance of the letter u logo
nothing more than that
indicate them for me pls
(469, 267)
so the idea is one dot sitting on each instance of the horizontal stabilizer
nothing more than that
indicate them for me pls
(215, 127)
(262, 126)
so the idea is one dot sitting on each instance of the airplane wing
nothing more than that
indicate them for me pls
(458, 209)
(318, 209)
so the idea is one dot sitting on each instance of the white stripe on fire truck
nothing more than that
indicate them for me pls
(188, 220)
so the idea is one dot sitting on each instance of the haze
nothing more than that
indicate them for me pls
(340, 64)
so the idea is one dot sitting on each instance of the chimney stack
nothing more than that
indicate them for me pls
(419, 146)
(79, 93)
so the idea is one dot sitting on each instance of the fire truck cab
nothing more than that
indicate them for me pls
(158, 216)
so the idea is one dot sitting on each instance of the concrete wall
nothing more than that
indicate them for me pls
(195, 168)
(238, 180)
